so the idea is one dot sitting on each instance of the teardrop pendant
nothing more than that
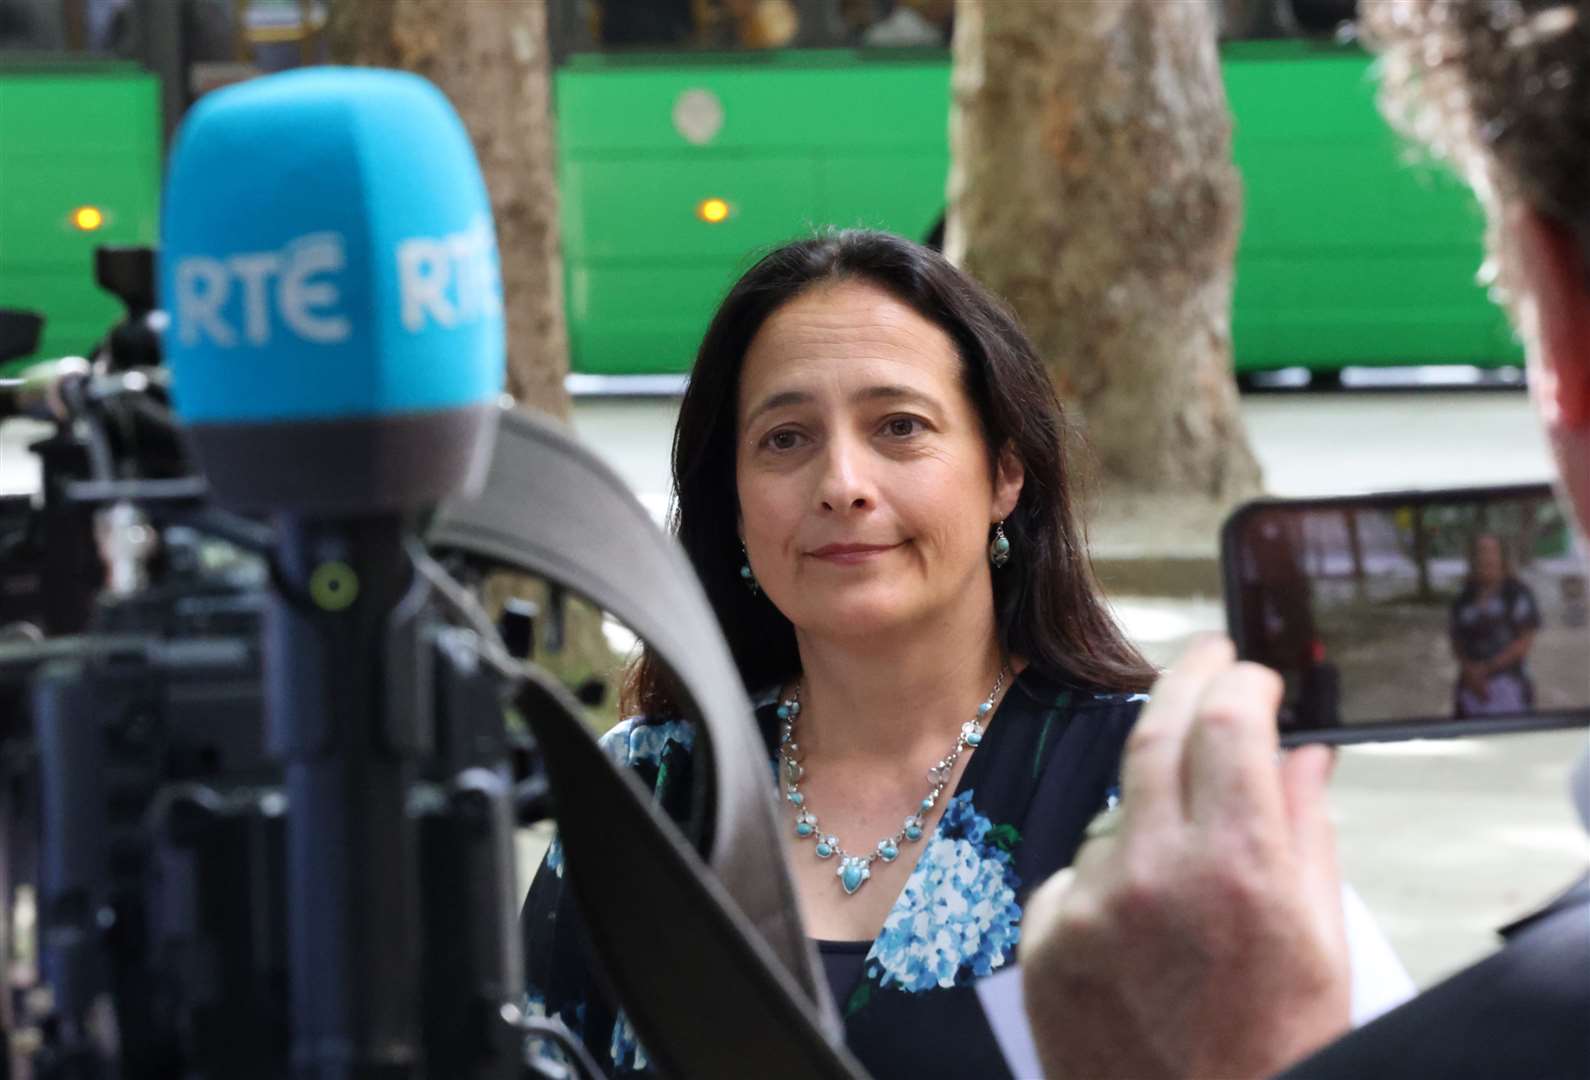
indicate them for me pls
(853, 873)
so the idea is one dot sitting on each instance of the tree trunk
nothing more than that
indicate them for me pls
(1092, 187)
(1355, 547)
(492, 62)
(490, 58)
(1421, 555)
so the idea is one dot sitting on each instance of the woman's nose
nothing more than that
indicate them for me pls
(844, 484)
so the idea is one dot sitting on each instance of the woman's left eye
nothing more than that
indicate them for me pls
(901, 427)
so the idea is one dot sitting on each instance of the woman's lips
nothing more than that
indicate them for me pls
(850, 554)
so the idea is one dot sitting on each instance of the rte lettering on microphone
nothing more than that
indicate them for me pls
(330, 269)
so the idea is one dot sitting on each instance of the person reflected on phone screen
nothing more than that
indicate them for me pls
(1493, 624)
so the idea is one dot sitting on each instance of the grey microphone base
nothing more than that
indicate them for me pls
(347, 467)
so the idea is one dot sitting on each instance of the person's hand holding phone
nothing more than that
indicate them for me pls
(1201, 935)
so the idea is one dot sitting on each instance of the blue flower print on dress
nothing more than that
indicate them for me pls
(626, 1050)
(957, 919)
(633, 742)
(555, 856)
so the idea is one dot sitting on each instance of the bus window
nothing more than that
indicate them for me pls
(1253, 20)
(30, 24)
(653, 23)
(907, 23)
(62, 27)
(235, 40)
(283, 34)
(694, 25)
(761, 24)
(1319, 18)
(106, 29)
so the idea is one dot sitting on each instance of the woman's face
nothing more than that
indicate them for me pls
(866, 487)
(1489, 566)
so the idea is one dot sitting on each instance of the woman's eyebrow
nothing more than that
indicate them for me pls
(893, 393)
(778, 401)
(868, 393)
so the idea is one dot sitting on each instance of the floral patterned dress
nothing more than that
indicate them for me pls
(1047, 764)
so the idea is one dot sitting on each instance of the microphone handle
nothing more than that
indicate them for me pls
(350, 747)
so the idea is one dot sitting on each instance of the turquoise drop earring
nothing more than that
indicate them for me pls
(745, 570)
(999, 548)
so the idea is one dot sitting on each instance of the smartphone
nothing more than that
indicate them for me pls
(1413, 615)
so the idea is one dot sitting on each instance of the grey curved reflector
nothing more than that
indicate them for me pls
(550, 507)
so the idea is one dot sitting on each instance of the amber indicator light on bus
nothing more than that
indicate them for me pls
(712, 211)
(88, 218)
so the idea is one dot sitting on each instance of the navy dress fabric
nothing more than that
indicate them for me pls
(1048, 762)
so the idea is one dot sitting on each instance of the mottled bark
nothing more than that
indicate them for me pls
(490, 58)
(1092, 187)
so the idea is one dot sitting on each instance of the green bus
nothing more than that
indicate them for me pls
(80, 155)
(692, 133)
(90, 91)
(681, 148)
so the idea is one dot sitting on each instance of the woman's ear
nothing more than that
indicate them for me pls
(1009, 473)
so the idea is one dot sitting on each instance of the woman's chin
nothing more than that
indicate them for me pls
(853, 617)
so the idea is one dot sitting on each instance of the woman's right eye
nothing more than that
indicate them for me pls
(782, 439)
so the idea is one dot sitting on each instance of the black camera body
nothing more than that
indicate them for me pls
(146, 882)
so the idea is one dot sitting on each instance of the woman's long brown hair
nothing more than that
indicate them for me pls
(1046, 601)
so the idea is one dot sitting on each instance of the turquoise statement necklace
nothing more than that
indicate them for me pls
(854, 870)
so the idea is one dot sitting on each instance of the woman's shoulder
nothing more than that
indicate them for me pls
(642, 740)
(1070, 723)
(659, 753)
(1051, 688)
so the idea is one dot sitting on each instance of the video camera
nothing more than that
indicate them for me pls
(146, 834)
(261, 750)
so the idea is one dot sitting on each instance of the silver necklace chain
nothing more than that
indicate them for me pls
(854, 870)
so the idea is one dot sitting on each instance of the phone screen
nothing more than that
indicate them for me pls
(1415, 614)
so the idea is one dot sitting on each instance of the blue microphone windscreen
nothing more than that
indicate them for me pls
(327, 253)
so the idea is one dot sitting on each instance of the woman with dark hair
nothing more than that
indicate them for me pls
(1493, 624)
(870, 480)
